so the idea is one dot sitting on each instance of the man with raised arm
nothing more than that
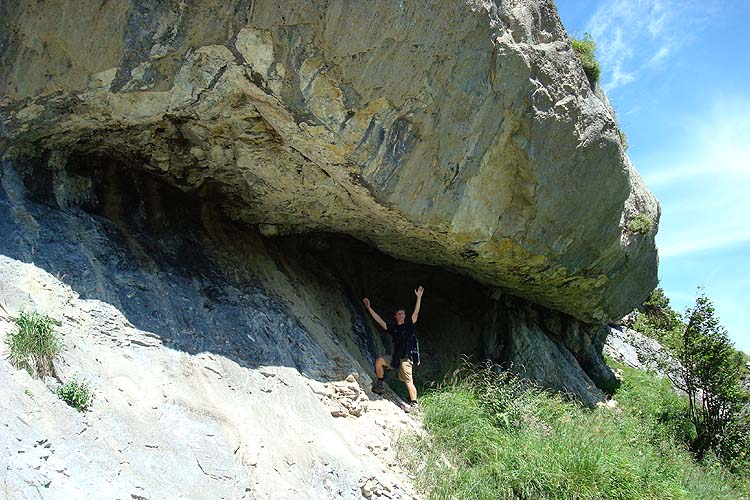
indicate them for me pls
(405, 348)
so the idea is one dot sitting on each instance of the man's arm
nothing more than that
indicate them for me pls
(375, 315)
(418, 292)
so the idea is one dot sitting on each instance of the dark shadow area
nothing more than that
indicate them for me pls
(125, 238)
(175, 264)
(454, 314)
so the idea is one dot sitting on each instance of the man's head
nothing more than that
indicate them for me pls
(399, 315)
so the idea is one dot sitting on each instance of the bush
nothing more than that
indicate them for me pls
(76, 394)
(710, 376)
(658, 320)
(34, 345)
(498, 437)
(640, 224)
(586, 49)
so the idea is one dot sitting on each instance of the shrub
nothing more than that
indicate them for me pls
(701, 361)
(709, 374)
(658, 320)
(34, 345)
(76, 394)
(640, 224)
(586, 49)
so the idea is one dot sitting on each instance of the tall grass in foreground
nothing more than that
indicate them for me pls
(497, 437)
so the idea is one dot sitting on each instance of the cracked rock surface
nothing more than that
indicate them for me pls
(461, 134)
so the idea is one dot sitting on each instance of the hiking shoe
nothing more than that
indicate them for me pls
(409, 407)
(378, 387)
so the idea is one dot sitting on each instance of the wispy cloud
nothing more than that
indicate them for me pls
(660, 55)
(696, 241)
(704, 187)
(716, 145)
(634, 36)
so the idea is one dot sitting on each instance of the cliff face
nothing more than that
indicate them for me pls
(455, 134)
(202, 193)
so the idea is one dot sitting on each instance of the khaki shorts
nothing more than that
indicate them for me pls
(404, 368)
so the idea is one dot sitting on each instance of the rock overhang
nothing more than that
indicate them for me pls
(467, 137)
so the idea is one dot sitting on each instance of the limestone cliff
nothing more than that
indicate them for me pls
(458, 134)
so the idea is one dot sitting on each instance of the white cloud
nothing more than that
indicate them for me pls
(716, 147)
(618, 79)
(660, 55)
(627, 31)
(704, 184)
(697, 241)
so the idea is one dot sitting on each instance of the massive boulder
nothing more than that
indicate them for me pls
(201, 193)
(460, 134)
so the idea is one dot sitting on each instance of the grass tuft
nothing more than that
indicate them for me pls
(640, 224)
(76, 394)
(34, 345)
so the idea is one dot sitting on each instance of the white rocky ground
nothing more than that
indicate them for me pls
(169, 424)
(633, 348)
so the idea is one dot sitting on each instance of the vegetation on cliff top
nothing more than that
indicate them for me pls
(585, 48)
(640, 224)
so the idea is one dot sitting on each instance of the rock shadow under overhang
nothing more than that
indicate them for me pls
(176, 265)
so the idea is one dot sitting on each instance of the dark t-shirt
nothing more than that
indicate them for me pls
(404, 341)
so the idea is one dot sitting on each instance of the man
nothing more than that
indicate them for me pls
(405, 349)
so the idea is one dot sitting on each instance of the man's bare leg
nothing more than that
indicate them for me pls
(412, 390)
(380, 366)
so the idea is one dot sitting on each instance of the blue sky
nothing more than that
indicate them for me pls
(678, 75)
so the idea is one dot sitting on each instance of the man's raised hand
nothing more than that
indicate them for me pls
(419, 291)
(366, 301)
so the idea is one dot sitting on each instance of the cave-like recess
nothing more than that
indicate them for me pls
(186, 233)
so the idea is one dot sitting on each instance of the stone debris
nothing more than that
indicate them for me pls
(345, 398)
(632, 348)
(610, 404)
(373, 488)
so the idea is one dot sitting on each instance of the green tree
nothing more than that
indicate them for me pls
(658, 320)
(706, 369)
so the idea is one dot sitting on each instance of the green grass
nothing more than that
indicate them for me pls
(640, 224)
(76, 394)
(586, 49)
(34, 345)
(493, 437)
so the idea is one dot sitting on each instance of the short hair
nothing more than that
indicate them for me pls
(399, 308)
